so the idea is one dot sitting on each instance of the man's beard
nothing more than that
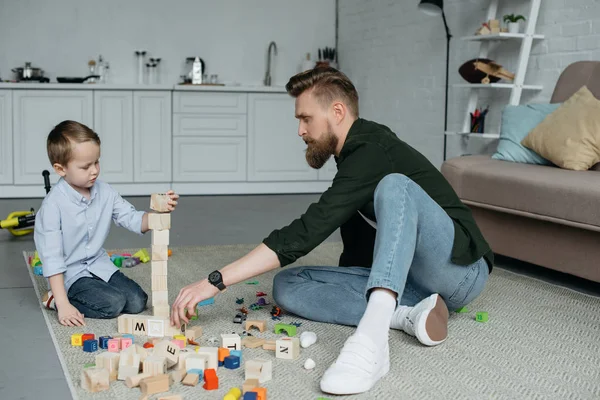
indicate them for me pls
(319, 151)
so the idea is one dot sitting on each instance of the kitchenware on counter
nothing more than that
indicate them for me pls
(141, 54)
(70, 79)
(189, 64)
(29, 73)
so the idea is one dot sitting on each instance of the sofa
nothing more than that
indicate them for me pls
(541, 214)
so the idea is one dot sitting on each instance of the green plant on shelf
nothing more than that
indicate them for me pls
(513, 18)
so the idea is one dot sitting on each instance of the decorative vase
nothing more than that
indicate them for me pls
(513, 27)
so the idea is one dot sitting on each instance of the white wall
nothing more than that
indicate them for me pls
(396, 56)
(231, 36)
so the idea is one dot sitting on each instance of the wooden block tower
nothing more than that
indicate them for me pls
(160, 224)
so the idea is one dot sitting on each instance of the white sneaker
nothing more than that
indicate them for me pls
(427, 321)
(358, 367)
(48, 301)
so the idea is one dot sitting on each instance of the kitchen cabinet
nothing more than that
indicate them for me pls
(6, 150)
(113, 121)
(35, 114)
(152, 136)
(275, 151)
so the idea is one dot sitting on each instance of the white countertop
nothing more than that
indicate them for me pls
(99, 86)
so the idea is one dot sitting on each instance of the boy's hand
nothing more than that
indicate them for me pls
(172, 200)
(70, 316)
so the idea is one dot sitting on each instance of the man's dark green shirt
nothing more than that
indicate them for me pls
(372, 151)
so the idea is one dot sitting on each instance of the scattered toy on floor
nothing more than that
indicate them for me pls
(307, 339)
(481, 316)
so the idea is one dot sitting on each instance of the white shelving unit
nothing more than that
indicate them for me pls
(518, 85)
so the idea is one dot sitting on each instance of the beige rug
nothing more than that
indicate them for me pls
(541, 341)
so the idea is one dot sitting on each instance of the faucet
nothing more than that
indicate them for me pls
(267, 80)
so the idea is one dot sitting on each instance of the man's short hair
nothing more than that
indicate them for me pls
(60, 140)
(328, 84)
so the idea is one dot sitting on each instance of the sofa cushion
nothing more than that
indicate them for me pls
(517, 122)
(570, 136)
(545, 191)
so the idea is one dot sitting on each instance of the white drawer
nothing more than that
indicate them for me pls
(220, 125)
(212, 102)
(209, 159)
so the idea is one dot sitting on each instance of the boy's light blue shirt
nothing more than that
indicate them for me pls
(70, 230)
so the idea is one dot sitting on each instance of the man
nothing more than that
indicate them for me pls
(411, 248)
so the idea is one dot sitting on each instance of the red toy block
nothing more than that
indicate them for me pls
(211, 379)
(87, 336)
(148, 345)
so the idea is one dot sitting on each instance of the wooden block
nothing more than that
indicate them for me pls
(191, 379)
(140, 326)
(261, 325)
(196, 361)
(177, 375)
(287, 348)
(156, 327)
(159, 283)
(161, 311)
(261, 393)
(159, 202)
(159, 222)
(160, 237)
(134, 381)
(129, 364)
(173, 330)
(155, 365)
(77, 339)
(171, 397)
(160, 298)
(231, 341)
(211, 380)
(193, 333)
(95, 379)
(124, 323)
(160, 252)
(167, 350)
(110, 362)
(213, 356)
(252, 342)
(155, 384)
(159, 267)
(249, 384)
(259, 369)
(269, 345)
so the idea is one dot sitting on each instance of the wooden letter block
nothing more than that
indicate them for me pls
(261, 325)
(159, 267)
(252, 342)
(159, 202)
(191, 379)
(124, 323)
(287, 348)
(110, 362)
(139, 325)
(167, 350)
(95, 379)
(160, 298)
(134, 381)
(155, 384)
(129, 365)
(231, 341)
(259, 369)
(156, 327)
(155, 365)
(160, 252)
(249, 384)
(159, 222)
(159, 283)
(160, 237)
(162, 311)
(213, 356)
(171, 397)
(177, 375)
(193, 333)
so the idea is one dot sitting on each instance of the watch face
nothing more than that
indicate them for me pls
(214, 276)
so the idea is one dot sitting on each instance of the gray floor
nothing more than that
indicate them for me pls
(199, 220)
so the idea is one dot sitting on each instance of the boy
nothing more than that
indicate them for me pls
(72, 225)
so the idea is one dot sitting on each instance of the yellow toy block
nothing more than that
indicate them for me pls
(77, 339)
(180, 337)
(142, 255)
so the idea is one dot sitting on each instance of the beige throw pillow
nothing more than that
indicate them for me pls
(569, 136)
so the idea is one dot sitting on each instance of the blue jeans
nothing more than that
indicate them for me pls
(411, 257)
(95, 298)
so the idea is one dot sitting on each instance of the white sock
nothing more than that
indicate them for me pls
(375, 322)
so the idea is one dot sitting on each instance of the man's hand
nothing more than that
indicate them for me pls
(188, 298)
(69, 315)
(172, 202)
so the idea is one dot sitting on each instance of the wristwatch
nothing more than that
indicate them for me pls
(216, 279)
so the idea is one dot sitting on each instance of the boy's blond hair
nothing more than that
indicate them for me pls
(61, 139)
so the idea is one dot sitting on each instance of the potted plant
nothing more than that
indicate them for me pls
(513, 22)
